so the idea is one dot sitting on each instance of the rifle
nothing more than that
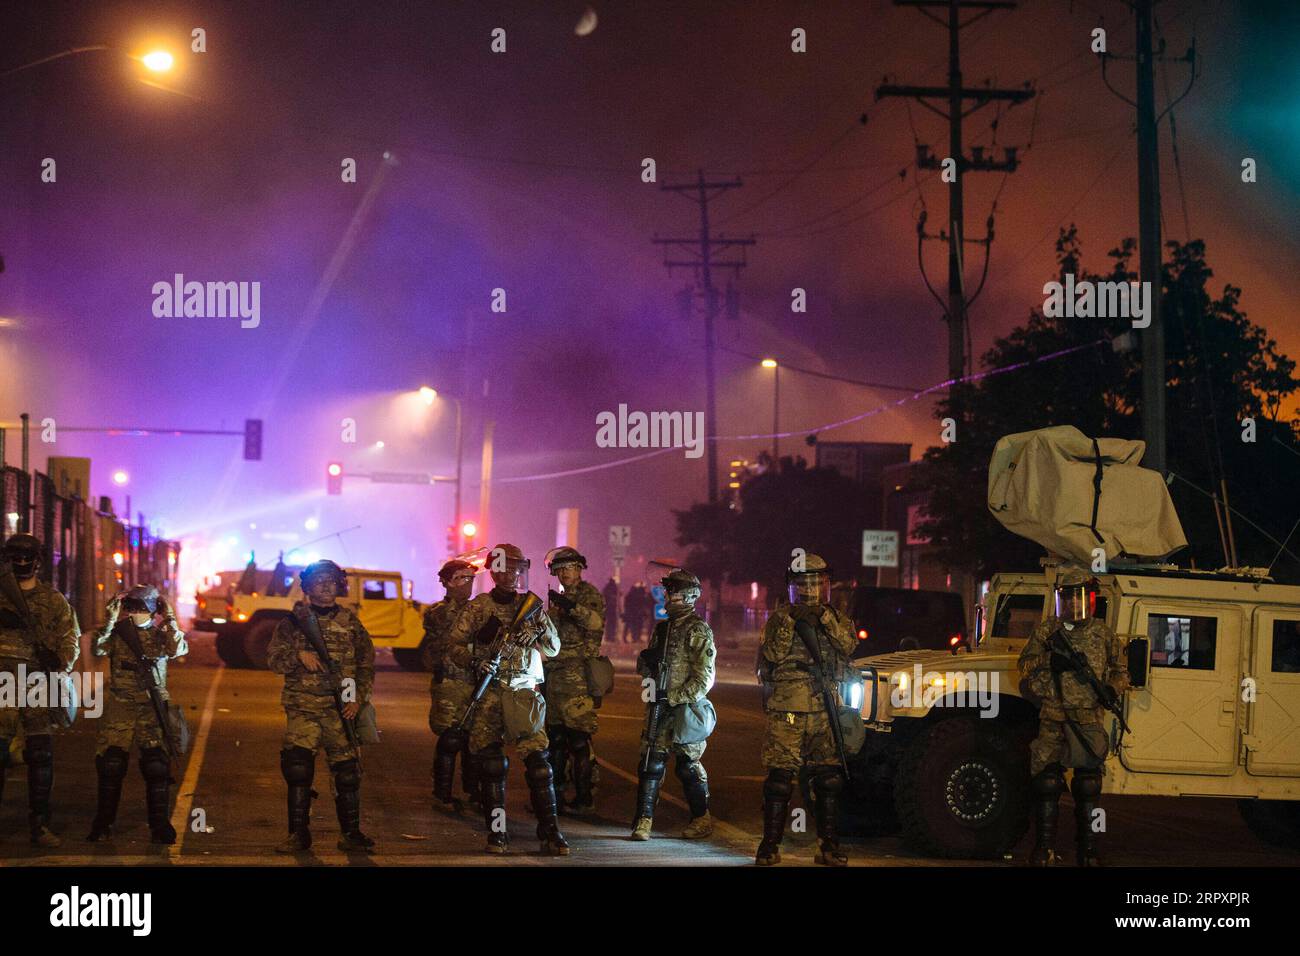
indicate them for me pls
(1106, 696)
(311, 627)
(809, 638)
(517, 636)
(46, 659)
(144, 668)
(655, 716)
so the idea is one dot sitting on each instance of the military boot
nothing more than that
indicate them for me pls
(39, 757)
(650, 777)
(584, 800)
(777, 790)
(559, 758)
(110, 767)
(1047, 786)
(156, 769)
(298, 765)
(444, 770)
(494, 767)
(1085, 788)
(347, 803)
(827, 787)
(542, 791)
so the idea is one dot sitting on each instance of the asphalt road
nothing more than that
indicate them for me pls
(230, 800)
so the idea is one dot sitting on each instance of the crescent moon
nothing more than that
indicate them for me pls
(586, 23)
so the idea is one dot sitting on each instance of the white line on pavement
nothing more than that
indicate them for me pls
(185, 798)
(726, 830)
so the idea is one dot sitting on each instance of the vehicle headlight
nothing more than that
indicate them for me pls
(851, 694)
(901, 682)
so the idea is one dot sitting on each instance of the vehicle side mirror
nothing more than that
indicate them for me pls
(1139, 650)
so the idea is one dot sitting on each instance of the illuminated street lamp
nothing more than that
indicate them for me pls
(428, 394)
(159, 61)
(776, 407)
(120, 477)
(156, 61)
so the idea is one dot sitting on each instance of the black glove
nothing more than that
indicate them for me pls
(561, 600)
(1060, 663)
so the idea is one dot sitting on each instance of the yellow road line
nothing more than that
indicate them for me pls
(185, 798)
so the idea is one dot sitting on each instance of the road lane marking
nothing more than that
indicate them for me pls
(726, 830)
(185, 797)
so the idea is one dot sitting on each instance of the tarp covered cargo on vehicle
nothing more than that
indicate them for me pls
(1071, 494)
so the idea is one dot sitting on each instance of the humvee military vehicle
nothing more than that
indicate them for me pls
(1214, 709)
(244, 614)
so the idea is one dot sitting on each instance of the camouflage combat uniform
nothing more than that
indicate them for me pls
(798, 732)
(511, 711)
(313, 721)
(450, 691)
(129, 719)
(516, 679)
(307, 698)
(128, 712)
(1066, 698)
(798, 737)
(57, 632)
(681, 651)
(452, 683)
(571, 717)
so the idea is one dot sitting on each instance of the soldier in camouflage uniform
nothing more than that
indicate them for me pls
(1070, 729)
(511, 710)
(571, 720)
(679, 662)
(53, 643)
(313, 720)
(129, 717)
(451, 688)
(799, 735)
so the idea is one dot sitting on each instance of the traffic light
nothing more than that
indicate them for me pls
(334, 478)
(468, 530)
(252, 439)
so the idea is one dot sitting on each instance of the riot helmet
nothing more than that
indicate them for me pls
(681, 591)
(808, 580)
(1075, 596)
(509, 568)
(23, 552)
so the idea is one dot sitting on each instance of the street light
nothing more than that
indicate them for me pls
(429, 394)
(156, 61)
(776, 408)
(159, 61)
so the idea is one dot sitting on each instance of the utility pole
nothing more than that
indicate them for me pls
(708, 246)
(1149, 251)
(956, 96)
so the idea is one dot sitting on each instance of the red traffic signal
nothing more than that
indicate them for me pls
(334, 478)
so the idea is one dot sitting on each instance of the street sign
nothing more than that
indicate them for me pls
(661, 612)
(880, 549)
(620, 539)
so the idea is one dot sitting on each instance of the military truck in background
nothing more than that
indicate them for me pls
(245, 607)
(1214, 709)
(1213, 658)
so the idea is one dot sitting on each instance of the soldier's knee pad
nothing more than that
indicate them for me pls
(298, 764)
(112, 763)
(688, 771)
(347, 776)
(1049, 782)
(828, 780)
(537, 768)
(1086, 785)
(154, 764)
(779, 784)
(494, 764)
(452, 740)
(657, 765)
(39, 751)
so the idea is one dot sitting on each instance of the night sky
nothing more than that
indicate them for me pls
(522, 171)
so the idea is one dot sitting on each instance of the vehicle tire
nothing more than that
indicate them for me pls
(257, 640)
(410, 658)
(230, 648)
(1276, 822)
(962, 789)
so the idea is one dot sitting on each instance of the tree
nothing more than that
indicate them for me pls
(1221, 369)
(816, 509)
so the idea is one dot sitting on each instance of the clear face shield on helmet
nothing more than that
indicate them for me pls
(512, 576)
(680, 601)
(1075, 602)
(813, 587)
